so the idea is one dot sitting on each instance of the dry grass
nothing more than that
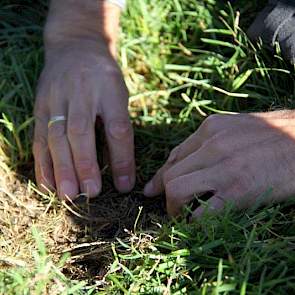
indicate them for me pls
(84, 229)
(159, 55)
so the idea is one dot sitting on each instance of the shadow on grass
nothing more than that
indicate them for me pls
(96, 223)
(100, 221)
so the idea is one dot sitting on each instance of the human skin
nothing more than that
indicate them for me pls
(81, 81)
(237, 158)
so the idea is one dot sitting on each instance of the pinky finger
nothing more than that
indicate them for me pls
(43, 163)
(43, 171)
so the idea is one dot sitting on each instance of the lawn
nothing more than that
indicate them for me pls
(182, 61)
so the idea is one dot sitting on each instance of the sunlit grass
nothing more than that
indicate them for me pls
(182, 61)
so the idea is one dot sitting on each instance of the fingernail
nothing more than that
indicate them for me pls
(67, 189)
(149, 189)
(124, 183)
(90, 187)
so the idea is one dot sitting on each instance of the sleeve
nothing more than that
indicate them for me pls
(120, 3)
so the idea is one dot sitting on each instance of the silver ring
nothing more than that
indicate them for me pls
(56, 119)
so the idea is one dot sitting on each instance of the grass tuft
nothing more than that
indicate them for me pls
(182, 61)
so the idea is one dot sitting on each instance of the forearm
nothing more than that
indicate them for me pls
(76, 21)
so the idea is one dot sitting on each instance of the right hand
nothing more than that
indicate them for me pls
(81, 81)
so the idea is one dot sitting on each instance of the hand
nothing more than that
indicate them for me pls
(236, 157)
(81, 81)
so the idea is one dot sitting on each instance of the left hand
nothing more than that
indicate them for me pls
(237, 157)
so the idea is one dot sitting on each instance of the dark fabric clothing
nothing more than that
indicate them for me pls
(276, 23)
(290, 2)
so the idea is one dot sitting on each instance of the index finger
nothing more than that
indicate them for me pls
(190, 145)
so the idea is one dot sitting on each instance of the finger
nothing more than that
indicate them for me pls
(234, 191)
(119, 135)
(64, 171)
(210, 127)
(214, 205)
(156, 186)
(180, 191)
(81, 135)
(218, 148)
(201, 154)
(43, 162)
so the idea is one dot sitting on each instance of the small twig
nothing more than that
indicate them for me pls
(90, 252)
(85, 217)
(12, 262)
(84, 245)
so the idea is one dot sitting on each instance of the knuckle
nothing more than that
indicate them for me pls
(174, 154)
(56, 131)
(40, 109)
(171, 191)
(173, 199)
(241, 184)
(85, 167)
(38, 146)
(219, 143)
(245, 179)
(120, 129)
(39, 138)
(78, 125)
(234, 164)
(167, 176)
(215, 123)
(122, 167)
(212, 121)
(83, 164)
(63, 170)
(239, 172)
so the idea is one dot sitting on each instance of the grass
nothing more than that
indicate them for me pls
(45, 276)
(232, 254)
(182, 60)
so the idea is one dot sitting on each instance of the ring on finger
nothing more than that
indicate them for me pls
(56, 119)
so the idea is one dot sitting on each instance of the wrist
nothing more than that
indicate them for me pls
(74, 22)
